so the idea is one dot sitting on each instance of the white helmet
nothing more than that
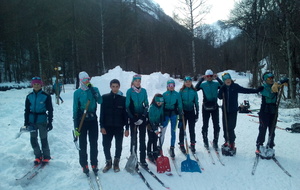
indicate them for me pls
(209, 72)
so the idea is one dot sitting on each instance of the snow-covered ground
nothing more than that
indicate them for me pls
(64, 171)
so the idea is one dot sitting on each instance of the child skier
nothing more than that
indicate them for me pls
(39, 116)
(267, 115)
(137, 108)
(81, 97)
(190, 106)
(172, 108)
(210, 105)
(156, 118)
(113, 118)
(229, 93)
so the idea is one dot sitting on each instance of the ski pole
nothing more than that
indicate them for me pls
(225, 118)
(81, 123)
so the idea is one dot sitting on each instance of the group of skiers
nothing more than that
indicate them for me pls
(180, 109)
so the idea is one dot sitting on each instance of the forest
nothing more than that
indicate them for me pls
(37, 36)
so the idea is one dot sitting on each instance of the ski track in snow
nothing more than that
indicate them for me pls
(64, 171)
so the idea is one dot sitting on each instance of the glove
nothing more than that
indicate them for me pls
(49, 126)
(76, 133)
(260, 88)
(275, 87)
(138, 122)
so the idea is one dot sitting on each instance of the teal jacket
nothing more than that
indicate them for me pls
(269, 96)
(156, 116)
(173, 102)
(38, 108)
(80, 98)
(209, 89)
(190, 100)
(136, 103)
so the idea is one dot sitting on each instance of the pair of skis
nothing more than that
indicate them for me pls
(90, 181)
(274, 159)
(217, 154)
(174, 163)
(33, 172)
(152, 174)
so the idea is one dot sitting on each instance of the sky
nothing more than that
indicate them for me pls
(64, 171)
(220, 9)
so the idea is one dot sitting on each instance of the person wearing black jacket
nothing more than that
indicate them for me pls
(229, 93)
(113, 118)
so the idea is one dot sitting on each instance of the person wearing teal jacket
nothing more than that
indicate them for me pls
(38, 116)
(267, 115)
(156, 118)
(137, 109)
(86, 93)
(190, 104)
(210, 105)
(172, 108)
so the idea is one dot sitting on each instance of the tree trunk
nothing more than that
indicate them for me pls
(39, 54)
(102, 39)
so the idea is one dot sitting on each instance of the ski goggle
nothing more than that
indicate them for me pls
(226, 76)
(171, 85)
(159, 99)
(209, 75)
(36, 78)
(84, 80)
(187, 78)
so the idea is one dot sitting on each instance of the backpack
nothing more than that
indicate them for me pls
(295, 128)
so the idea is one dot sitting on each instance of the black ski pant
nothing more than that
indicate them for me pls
(189, 120)
(266, 121)
(215, 119)
(118, 133)
(90, 129)
(141, 130)
(229, 126)
(41, 130)
(152, 142)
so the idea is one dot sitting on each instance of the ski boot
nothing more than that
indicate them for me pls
(193, 148)
(95, 169)
(225, 149)
(107, 166)
(85, 169)
(38, 160)
(215, 145)
(116, 165)
(232, 150)
(182, 148)
(172, 153)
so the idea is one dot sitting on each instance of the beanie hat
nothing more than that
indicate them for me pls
(226, 76)
(115, 81)
(187, 78)
(170, 81)
(83, 75)
(36, 80)
(135, 77)
(209, 72)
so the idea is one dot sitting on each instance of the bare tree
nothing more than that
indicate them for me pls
(191, 14)
(247, 15)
